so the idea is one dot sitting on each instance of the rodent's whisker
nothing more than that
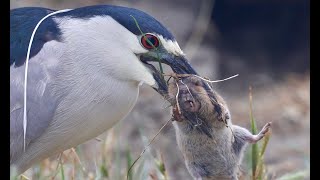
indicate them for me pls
(177, 100)
(220, 80)
(176, 76)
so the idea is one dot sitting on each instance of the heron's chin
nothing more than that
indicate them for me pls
(160, 86)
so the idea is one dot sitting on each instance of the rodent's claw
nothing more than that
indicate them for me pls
(176, 114)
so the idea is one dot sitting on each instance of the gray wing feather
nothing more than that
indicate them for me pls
(41, 103)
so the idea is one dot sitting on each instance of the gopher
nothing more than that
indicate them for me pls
(211, 145)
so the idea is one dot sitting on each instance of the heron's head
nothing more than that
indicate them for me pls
(125, 39)
(136, 39)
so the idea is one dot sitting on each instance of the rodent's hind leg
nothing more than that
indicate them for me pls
(243, 136)
(255, 138)
(261, 134)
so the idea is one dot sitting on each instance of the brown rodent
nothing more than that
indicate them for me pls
(211, 145)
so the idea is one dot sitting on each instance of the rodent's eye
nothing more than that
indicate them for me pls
(197, 83)
(149, 41)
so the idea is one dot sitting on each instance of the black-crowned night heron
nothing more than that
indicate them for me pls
(85, 69)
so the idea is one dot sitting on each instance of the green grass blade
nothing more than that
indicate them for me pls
(62, 171)
(260, 166)
(253, 122)
(265, 143)
(13, 173)
(118, 159)
(104, 171)
(260, 169)
(162, 168)
(255, 158)
(129, 162)
(255, 148)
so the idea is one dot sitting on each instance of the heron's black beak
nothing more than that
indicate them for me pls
(178, 64)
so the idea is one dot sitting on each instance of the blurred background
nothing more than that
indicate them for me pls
(266, 42)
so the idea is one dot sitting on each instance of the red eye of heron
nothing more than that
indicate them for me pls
(149, 41)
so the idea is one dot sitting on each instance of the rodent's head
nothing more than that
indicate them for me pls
(197, 105)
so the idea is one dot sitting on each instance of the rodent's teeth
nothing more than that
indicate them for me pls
(188, 98)
(191, 103)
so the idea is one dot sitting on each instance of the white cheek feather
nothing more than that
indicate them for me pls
(171, 46)
(107, 45)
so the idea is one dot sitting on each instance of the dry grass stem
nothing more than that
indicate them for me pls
(177, 100)
(59, 162)
(144, 150)
(78, 159)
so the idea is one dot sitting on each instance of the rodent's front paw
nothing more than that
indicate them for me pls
(176, 114)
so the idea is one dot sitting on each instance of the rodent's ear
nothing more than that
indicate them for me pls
(227, 116)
